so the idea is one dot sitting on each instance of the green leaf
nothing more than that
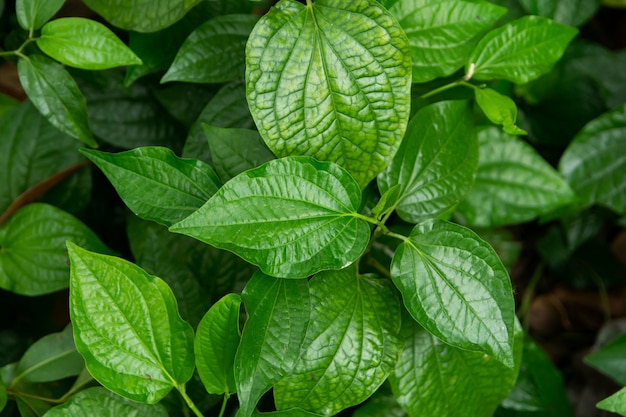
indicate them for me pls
(594, 163)
(142, 15)
(330, 80)
(568, 12)
(293, 412)
(3, 395)
(351, 344)
(7, 103)
(278, 316)
(97, 401)
(51, 358)
(498, 108)
(433, 378)
(217, 339)
(85, 44)
(514, 183)
(32, 14)
(455, 286)
(610, 359)
(436, 163)
(55, 94)
(443, 33)
(33, 260)
(317, 202)
(381, 404)
(387, 202)
(521, 50)
(221, 39)
(234, 151)
(156, 184)
(615, 403)
(127, 327)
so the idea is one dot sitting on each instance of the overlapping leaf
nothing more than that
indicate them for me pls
(498, 108)
(351, 343)
(32, 14)
(442, 33)
(304, 210)
(455, 286)
(330, 79)
(436, 163)
(127, 327)
(514, 183)
(594, 163)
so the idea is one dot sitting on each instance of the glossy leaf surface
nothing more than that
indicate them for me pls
(594, 163)
(514, 183)
(33, 259)
(442, 33)
(57, 97)
(615, 403)
(521, 50)
(298, 196)
(215, 345)
(454, 285)
(568, 12)
(498, 108)
(33, 14)
(351, 344)
(156, 184)
(330, 80)
(436, 163)
(278, 316)
(127, 327)
(141, 15)
(97, 401)
(214, 52)
(85, 44)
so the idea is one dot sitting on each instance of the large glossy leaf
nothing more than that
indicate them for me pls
(142, 15)
(85, 44)
(514, 183)
(292, 217)
(610, 359)
(330, 80)
(97, 401)
(568, 12)
(278, 316)
(433, 378)
(51, 358)
(520, 51)
(442, 33)
(33, 260)
(455, 286)
(615, 403)
(32, 14)
(214, 52)
(594, 163)
(436, 163)
(217, 339)
(351, 344)
(55, 94)
(127, 327)
(156, 184)
(235, 150)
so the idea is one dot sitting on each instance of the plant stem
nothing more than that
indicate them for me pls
(190, 404)
(224, 402)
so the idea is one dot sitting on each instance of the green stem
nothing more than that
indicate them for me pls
(19, 394)
(224, 401)
(397, 236)
(190, 404)
(443, 88)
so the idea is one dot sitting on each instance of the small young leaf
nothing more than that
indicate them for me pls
(436, 163)
(217, 339)
(331, 80)
(32, 14)
(51, 358)
(568, 12)
(234, 151)
(442, 33)
(55, 94)
(85, 44)
(351, 344)
(616, 403)
(387, 201)
(142, 15)
(278, 316)
(97, 401)
(221, 39)
(594, 163)
(315, 202)
(455, 286)
(498, 108)
(610, 359)
(514, 183)
(33, 260)
(520, 51)
(156, 184)
(127, 327)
